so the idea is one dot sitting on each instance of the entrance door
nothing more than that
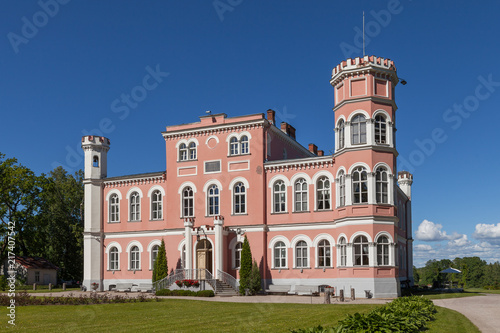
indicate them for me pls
(203, 258)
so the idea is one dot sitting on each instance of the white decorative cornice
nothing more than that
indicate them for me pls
(135, 180)
(308, 163)
(214, 129)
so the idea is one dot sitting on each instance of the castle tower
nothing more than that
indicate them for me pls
(95, 149)
(365, 159)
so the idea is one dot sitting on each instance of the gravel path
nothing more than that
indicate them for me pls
(483, 311)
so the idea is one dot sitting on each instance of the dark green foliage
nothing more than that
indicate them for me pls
(160, 269)
(201, 293)
(406, 314)
(254, 279)
(3, 282)
(23, 298)
(246, 266)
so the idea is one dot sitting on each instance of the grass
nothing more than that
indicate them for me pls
(175, 315)
(483, 291)
(451, 321)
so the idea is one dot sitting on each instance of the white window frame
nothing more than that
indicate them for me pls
(383, 252)
(359, 122)
(304, 195)
(280, 200)
(380, 129)
(190, 198)
(342, 251)
(213, 200)
(237, 255)
(301, 254)
(382, 185)
(360, 246)
(114, 263)
(359, 170)
(114, 208)
(327, 253)
(240, 197)
(283, 255)
(323, 191)
(135, 207)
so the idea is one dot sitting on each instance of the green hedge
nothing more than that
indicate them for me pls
(201, 293)
(405, 314)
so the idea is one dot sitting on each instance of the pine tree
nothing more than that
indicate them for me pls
(255, 284)
(160, 269)
(245, 266)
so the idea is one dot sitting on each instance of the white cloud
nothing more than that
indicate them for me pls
(423, 247)
(490, 232)
(463, 241)
(430, 231)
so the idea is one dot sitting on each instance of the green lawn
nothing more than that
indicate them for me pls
(440, 295)
(173, 315)
(484, 291)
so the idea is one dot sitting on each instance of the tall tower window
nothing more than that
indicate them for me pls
(323, 193)
(361, 251)
(341, 189)
(341, 134)
(358, 129)
(343, 251)
(360, 185)
(324, 254)
(383, 251)
(382, 184)
(380, 129)
(96, 162)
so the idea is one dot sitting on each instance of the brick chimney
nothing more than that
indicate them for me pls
(271, 116)
(321, 153)
(288, 129)
(313, 148)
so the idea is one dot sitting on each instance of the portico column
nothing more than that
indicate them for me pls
(188, 226)
(218, 223)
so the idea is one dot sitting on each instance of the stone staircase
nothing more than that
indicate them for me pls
(224, 289)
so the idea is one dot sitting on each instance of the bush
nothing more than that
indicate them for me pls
(3, 282)
(405, 314)
(201, 293)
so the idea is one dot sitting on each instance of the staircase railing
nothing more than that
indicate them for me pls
(168, 280)
(182, 274)
(229, 279)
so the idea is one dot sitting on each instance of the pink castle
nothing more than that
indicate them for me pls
(311, 220)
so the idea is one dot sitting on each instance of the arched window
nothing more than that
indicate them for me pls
(361, 251)
(341, 134)
(114, 208)
(301, 254)
(192, 151)
(360, 185)
(96, 162)
(187, 202)
(358, 129)
(343, 251)
(382, 185)
(324, 254)
(323, 193)
(135, 260)
(341, 188)
(183, 152)
(279, 255)
(380, 129)
(213, 200)
(114, 263)
(135, 207)
(239, 198)
(156, 205)
(237, 255)
(234, 146)
(383, 251)
(279, 195)
(154, 255)
(244, 144)
(300, 189)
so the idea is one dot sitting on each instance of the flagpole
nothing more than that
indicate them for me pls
(364, 33)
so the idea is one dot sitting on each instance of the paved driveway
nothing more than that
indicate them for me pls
(483, 311)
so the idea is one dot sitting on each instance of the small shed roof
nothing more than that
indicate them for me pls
(35, 263)
(450, 270)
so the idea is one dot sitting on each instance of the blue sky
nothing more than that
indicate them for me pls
(68, 66)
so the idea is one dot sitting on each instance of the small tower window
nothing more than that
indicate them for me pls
(96, 162)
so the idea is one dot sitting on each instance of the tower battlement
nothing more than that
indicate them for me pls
(358, 62)
(93, 139)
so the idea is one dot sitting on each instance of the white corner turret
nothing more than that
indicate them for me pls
(405, 180)
(96, 152)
